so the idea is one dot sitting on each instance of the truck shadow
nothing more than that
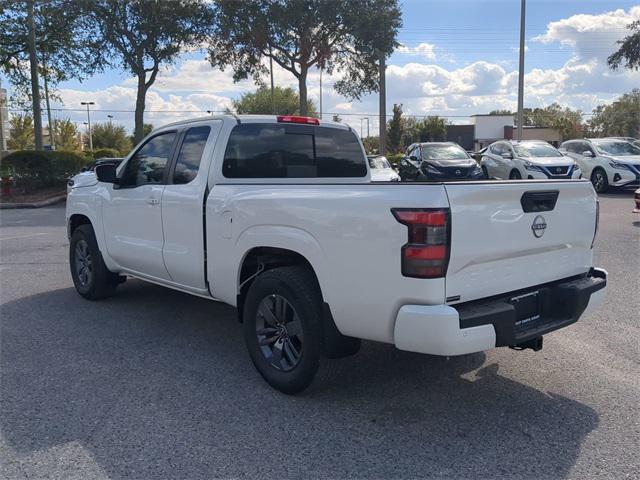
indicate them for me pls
(153, 383)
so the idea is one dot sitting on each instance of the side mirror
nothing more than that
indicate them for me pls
(413, 158)
(106, 173)
(587, 153)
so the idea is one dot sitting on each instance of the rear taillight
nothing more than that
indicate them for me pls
(298, 119)
(426, 254)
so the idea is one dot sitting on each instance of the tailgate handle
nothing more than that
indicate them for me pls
(541, 201)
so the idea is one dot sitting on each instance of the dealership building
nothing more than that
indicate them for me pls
(486, 129)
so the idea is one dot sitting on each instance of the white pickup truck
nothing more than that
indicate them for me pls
(277, 216)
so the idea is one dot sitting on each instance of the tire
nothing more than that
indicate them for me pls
(599, 180)
(515, 175)
(485, 172)
(90, 275)
(282, 324)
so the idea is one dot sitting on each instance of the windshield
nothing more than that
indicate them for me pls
(536, 150)
(616, 148)
(379, 162)
(443, 152)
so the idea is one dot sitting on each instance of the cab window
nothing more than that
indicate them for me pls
(149, 163)
(274, 150)
(190, 154)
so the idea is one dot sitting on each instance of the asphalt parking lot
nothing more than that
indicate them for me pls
(157, 384)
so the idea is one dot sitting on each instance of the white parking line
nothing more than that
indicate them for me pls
(23, 236)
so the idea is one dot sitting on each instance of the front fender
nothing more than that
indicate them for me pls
(89, 204)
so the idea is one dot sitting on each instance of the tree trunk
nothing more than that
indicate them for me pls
(302, 86)
(52, 126)
(382, 147)
(138, 132)
(35, 85)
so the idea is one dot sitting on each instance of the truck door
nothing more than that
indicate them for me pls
(183, 205)
(132, 215)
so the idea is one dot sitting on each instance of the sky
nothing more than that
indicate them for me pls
(457, 58)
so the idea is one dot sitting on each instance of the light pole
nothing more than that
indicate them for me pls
(85, 126)
(521, 70)
(110, 117)
(89, 123)
(367, 119)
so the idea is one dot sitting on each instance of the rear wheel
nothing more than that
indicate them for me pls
(599, 180)
(90, 275)
(283, 327)
(515, 175)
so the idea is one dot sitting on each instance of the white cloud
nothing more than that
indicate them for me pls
(424, 50)
(591, 36)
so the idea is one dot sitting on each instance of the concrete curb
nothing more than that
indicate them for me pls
(43, 203)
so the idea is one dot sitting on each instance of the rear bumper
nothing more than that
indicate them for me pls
(489, 323)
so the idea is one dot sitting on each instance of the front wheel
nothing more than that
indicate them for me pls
(283, 327)
(515, 175)
(90, 275)
(599, 180)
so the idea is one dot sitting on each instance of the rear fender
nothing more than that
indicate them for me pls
(286, 237)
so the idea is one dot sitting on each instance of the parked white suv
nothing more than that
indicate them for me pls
(607, 162)
(277, 216)
(530, 159)
(381, 170)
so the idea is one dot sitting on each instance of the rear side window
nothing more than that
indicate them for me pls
(190, 154)
(276, 150)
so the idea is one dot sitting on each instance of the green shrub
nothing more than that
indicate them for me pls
(394, 159)
(33, 170)
(106, 153)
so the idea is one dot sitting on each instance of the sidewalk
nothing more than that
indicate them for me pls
(41, 203)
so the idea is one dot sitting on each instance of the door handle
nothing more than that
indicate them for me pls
(153, 201)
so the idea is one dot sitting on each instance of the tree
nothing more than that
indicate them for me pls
(395, 130)
(432, 129)
(39, 37)
(147, 128)
(371, 145)
(141, 36)
(629, 50)
(566, 120)
(285, 101)
(620, 118)
(337, 118)
(108, 135)
(66, 134)
(21, 133)
(304, 34)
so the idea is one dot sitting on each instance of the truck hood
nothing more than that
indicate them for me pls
(84, 179)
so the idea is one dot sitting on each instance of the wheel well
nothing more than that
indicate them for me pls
(261, 259)
(76, 220)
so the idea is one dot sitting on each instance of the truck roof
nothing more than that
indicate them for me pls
(248, 119)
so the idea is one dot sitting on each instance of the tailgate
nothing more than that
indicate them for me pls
(498, 247)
